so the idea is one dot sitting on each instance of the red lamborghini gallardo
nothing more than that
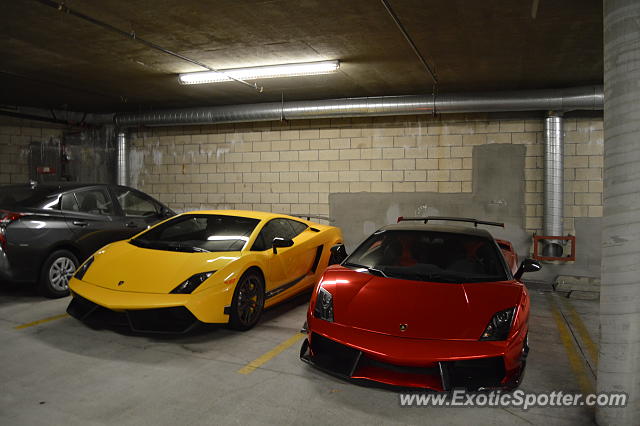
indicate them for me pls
(422, 305)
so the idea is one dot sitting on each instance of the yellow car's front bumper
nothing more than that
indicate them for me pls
(206, 306)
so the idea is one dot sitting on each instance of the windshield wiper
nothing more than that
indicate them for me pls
(199, 249)
(166, 245)
(482, 279)
(182, 247)
(372, 271)
(139, 242)
(416, 276)
(439, 278)
(377, 272)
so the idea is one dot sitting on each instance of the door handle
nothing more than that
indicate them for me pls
(131, 225)
(80, 223)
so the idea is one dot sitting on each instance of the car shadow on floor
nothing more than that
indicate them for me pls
(206, 342)
(282, 308)
(17, 292)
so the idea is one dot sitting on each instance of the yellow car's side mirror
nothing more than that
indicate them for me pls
(280, 242)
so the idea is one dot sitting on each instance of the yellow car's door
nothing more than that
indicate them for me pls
(290, 265)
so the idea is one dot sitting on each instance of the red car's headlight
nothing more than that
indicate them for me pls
(324, 305)
(499, 326)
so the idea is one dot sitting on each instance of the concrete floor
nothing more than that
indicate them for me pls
(62, 372)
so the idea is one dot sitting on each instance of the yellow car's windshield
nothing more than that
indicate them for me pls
(199, 233)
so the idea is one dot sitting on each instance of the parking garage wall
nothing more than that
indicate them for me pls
(292, 167)
(16, 135)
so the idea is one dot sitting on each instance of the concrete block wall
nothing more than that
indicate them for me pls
(293, 167)
(15, 137)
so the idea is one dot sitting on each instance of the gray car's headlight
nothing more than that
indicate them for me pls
(499, 326)
(324, 305)
(83, 269)
(192, 283)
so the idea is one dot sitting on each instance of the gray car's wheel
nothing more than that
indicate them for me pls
(57, 270)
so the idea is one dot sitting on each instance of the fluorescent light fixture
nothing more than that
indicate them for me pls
(267, 71)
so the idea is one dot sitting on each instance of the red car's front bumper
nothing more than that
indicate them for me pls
(440, 365)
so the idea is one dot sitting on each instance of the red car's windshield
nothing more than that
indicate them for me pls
(430, 256)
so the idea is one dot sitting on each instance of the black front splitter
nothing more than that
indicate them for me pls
(177, 320)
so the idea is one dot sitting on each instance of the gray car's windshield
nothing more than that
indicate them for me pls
(197, 233)
(430, 256)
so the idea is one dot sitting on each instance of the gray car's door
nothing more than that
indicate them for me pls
(92, 217)
(138, 209)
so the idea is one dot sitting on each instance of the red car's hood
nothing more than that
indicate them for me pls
(429, 310)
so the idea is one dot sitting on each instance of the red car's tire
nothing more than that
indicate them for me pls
(517, 380)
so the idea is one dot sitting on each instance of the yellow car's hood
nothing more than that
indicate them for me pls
(124, 267)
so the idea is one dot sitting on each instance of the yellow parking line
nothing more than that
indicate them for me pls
(31, 324)
(264, 358)
(570, 346)
(581, 328)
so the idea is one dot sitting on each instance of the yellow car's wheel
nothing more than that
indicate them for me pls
(248, 301)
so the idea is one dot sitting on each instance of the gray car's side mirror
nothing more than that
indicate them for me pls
(338, 254)
(280, 242)
(527, 265)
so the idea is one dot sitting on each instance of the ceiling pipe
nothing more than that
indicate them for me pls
(71, 118)
(32, 117)
(577, 98)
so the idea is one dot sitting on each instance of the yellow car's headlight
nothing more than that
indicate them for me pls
(192, 283)
(83, 269)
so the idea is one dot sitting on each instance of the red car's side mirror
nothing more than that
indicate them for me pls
(338, 254)
(527, 265)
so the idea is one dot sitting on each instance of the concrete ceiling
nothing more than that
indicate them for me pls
(55, 60)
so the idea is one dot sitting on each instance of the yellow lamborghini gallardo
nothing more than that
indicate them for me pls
(220, 266)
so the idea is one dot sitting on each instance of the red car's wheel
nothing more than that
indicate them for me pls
(517, 380)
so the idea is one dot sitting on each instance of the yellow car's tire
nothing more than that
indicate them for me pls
(248, 301)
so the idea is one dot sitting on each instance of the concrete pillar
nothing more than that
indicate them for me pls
(619, 364)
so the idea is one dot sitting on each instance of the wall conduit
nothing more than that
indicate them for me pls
(553, 182)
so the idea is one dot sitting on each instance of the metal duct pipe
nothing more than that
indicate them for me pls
(580, 98)
(57, 116)
(553, 181)
(122, 168)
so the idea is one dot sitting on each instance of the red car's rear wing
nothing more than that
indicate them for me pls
(475, 222)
